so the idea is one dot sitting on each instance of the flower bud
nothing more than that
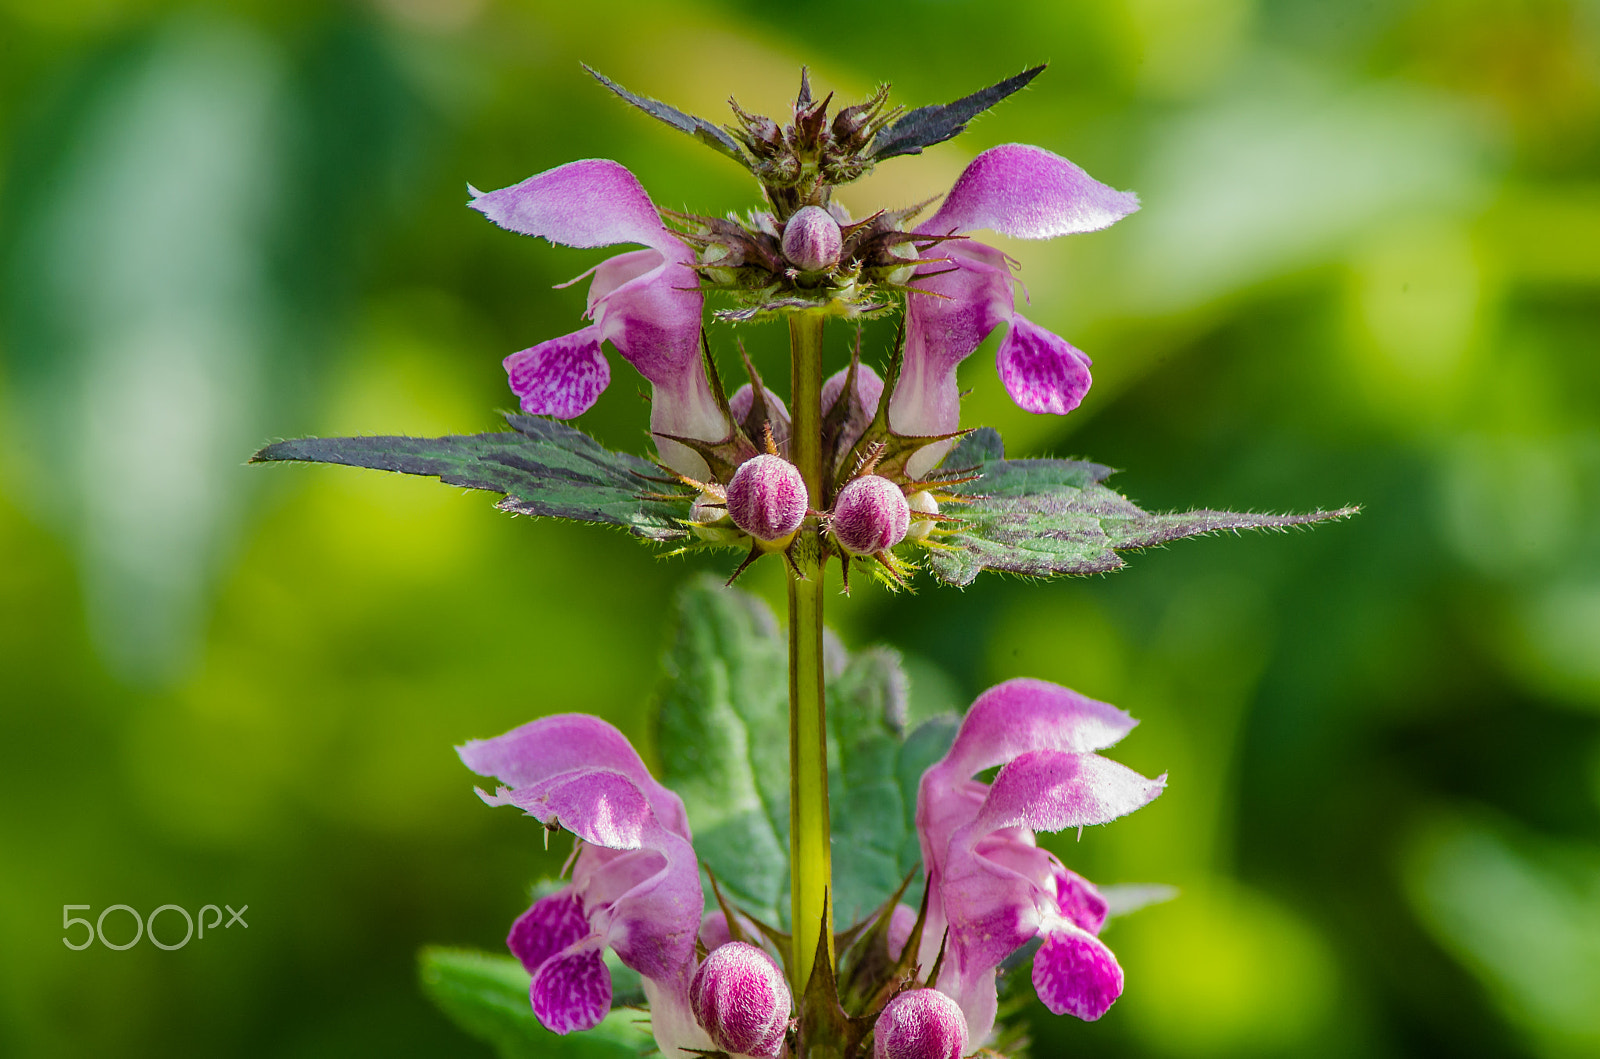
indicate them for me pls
(863, 402)
(744, 399)
(922, 503)
(920, 1024)
(740, 999)
(870, 515)
(767, 497)
(811, 240)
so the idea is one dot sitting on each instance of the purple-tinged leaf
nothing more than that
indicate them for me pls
(1042, 518)
(542, 467)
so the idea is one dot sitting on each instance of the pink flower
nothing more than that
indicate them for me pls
(992, 886)
(635, 880)
(646, 303)
(1016, 190)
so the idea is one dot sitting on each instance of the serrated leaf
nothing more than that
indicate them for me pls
(543, 467)
(723, 736)
(701, 129)
(1047, 517)
(926, 126)
(487, 996)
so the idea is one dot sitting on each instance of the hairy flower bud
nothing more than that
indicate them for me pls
(920, 1024)
(870, 514)
(740, 999)
(777, 414)
(767, 497)
(811, 239)
(922, 503)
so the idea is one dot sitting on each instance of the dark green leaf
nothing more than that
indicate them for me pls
(487, 996)
(699, 128)
(927, 126)
(723, 736)
(1047, 517)
(542, 466)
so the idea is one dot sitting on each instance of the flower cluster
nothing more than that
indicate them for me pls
(803, 253)
(635, 882)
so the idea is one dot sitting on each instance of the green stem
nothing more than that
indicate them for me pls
(810, 851)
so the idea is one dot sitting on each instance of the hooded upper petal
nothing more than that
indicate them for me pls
(560, 743)
(1028, 193)
(1048, 790)
(593, 202)
(1025, 714)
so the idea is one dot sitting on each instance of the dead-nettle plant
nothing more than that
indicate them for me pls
(869, 466)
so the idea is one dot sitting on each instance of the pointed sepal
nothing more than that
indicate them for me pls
(926, 126)
(710, 135)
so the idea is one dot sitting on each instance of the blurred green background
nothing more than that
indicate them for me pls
(1367, 271)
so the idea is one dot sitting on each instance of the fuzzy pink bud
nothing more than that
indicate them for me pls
(740, 999)
(920, 1024)
(767, 497)
(870, 514)
(811, 240)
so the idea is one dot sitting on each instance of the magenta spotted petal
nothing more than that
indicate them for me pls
(1043, 372)
(562, 377)
(571, 991)
(1075, 974)
(552, 924)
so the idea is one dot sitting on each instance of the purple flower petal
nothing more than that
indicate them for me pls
(595, 202)
(552, 924)
(562, 742)
(1024, 714)
(562, 377)
(967, 295)
(1080, 901)
(1028, 193)
(571, 991)
(598, 805)
(1043, 373)
(1075, 974)
(1047, 790)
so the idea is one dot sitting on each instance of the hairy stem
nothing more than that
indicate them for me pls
(810, 853)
